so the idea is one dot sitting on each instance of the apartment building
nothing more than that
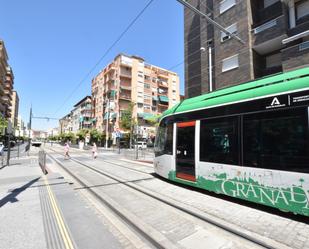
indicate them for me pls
(129, 79)
(79, 118)
(3, 75)
(274, 34)
(65, 124)
(15, 107)
(81, 115)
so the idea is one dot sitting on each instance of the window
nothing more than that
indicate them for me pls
(232, 29)
(164, 140)
(219, 141)
(226, 4)
(302, 9)
(277, 140)
(139, 105)
(269, 2)
(147, 86)
(273, 60)
(230, 63)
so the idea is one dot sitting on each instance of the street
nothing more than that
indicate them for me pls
(134, 208)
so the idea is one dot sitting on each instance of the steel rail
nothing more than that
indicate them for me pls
(247, 236)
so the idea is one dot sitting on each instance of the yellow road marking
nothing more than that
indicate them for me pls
(64, 233)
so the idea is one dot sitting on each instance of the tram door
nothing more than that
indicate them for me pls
(185, 143)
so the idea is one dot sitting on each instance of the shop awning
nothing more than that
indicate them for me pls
(113, 93)
(163, 98)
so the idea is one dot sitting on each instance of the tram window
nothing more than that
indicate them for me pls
(277, 140)
(219, 141)
(164, 140)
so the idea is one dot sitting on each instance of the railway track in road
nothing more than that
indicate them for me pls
(249, 237)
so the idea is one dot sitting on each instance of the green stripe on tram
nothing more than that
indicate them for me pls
(293, 199)
(276, 84)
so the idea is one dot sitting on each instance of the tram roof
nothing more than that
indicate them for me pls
(270, 85)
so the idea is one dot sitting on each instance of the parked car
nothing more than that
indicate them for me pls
(141, 145)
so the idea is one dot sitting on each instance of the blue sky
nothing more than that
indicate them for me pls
(52, 45)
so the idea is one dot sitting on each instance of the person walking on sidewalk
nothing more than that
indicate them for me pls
(94, 151)
(66, 151)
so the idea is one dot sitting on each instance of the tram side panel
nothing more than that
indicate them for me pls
(287, 191)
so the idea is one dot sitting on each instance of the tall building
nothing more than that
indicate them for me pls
(129, 79)
(81, 117)
(15, 107)
(65, 124)
(275, 37)
(3, 75)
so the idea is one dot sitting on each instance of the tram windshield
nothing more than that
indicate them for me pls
(164, 139)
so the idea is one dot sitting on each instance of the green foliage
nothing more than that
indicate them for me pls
(126, 121)
(81, 134)
(3, 124)
(96, 136)
(68, 137)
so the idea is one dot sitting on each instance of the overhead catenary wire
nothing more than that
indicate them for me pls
(105, 53)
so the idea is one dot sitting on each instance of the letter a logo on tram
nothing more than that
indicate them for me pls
(275, 102)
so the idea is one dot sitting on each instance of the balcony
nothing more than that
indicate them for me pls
(125, 74)
(125, 87)
(125, 97)
(263, 15)
(163, 84)
(268, 36)
(299, 28)
(295, 56)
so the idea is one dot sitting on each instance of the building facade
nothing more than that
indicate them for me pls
(3, 75)
(79, 118)
(82, 115)
(15, 107)
(130, 81)
(274, 34)
(65, 124)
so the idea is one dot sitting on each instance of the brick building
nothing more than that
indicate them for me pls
(275, 35)
(129, 79)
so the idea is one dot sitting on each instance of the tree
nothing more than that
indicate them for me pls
(3, 125)
(126, 121)
(96, 136)
(68, 137)
(81, 134)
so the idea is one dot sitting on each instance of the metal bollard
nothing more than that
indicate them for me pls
(42, 161)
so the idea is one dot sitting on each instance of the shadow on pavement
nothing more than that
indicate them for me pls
(15, 192)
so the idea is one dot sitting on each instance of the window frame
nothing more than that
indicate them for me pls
(230, 68)
(221, 11)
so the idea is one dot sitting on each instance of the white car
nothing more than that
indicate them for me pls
(141, 145)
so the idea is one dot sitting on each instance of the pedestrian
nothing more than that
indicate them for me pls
(94, 151)
(66, 151)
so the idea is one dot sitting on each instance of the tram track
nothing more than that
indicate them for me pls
(249, 236)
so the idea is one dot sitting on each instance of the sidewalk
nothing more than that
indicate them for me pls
(38, 211)
(21, 218)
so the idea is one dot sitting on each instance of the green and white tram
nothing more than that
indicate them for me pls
(249, 141)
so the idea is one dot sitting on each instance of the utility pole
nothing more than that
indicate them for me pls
(29, 127)
(106, 127)
(9, 131)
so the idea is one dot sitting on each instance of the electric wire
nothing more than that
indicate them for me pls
(103, 56)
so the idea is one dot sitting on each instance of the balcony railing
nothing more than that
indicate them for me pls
(303, 46)
(261, 16)
(125, 96)
(265, 26)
